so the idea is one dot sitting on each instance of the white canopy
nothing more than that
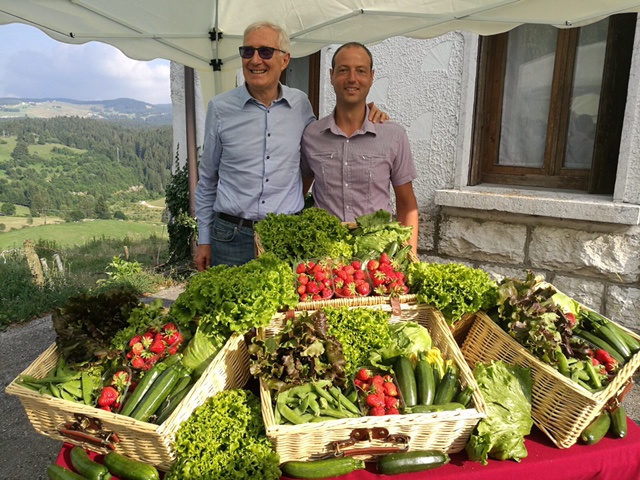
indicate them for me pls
(205, 34)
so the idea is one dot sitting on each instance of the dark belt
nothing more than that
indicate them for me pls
(241, 222)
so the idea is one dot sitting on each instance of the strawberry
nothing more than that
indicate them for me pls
(169, 328)
(120, 380)
(158, 346)
(363, 289)
(390, 402)
(303, 279)
(377, 411)
(384, 259)
(301, 268)
(372, 265)
(172, 350)
(302, 289)
(374, 400)
(137, 362)
(106, 408)
(363, 374)
(304, 297)
(377, 380)
(356, 264)
(327, 293)
(320, 275)
(312, 288)
(174, 338)
(390, 389)
(108, 397)
(134, 340)
(392, 411)
(349, 269)
(137, 348)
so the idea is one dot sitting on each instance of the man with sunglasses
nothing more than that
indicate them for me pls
(250, 163)
(351, 162)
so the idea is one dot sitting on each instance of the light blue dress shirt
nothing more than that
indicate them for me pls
(250, 163)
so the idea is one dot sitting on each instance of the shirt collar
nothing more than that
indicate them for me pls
(285, 95)
(330, 124)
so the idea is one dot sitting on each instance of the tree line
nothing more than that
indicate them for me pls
(92, 163)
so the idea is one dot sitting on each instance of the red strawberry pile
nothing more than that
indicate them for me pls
(387, 279)
(113, 391)
(350, 280)
(314, 280)
(155, 344)
(379, 393)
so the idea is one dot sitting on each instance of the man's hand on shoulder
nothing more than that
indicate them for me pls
(376, 115)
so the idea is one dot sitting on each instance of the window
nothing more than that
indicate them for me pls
(550, 105)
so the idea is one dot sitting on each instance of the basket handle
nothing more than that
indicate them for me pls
(613, 404)
(89, 430)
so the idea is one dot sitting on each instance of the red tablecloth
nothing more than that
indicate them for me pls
(609, 459)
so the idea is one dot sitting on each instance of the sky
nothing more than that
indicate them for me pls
(33, 65)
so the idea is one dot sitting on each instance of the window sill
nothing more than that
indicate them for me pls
(562, 205)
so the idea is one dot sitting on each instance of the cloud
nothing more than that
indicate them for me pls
(93, 71)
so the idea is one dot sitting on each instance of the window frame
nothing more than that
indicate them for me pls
(600, 179)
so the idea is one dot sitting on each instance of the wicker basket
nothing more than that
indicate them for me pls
(143, 441)
(560, 407)
(349, 302)
(445, 431)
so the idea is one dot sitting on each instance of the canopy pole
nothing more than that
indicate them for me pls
(192, 161)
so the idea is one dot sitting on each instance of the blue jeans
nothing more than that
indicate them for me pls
(230, 244)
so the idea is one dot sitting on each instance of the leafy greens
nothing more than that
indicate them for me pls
(453, 288)
(507, 392)
(225, 439)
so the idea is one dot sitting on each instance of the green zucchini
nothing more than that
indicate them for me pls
(597, 429)
(441, 407)
(600, 343)
(86, 467)
(142, 388)
(171, 403)
(56, 472)
(332, 467)
(631, 342)
(611, 337)
(464, 397)
(157, 393)
(406, 379)
(425, 383)
(406, 462)
(448, 388)
(618, 426)
(126, 468)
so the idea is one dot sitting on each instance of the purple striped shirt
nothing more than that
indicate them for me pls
(353, 176)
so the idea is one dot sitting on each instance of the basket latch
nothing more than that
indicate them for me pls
(399, 443)
(89, 429)
(616, 401)
(396, 309)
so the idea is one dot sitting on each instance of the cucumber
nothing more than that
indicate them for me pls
(406, 379)
(86, 467)
(425, 383)
(441, 407)
(141, 389)
(598, 342)
(56, 472)
(631, 342)
(406, 462)
(126, 468)
(157, 393)
(618, 426)
(448, 388)
(332, 467)
(611, 337)
(597, 429)
(464, 397)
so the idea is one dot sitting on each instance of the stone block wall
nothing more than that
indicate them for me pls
(597, 264)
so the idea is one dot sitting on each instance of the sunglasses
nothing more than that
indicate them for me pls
(265, 52)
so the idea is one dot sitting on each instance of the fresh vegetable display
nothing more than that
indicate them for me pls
(378, 394)
(313, 280)
(314, 233)
(350, 279)
(315, 401)
(156, 343)
(224, 299)
(225, 438)
(507, 392)
(452, 288)
(304, 351)
(360, 331)
(581, 344)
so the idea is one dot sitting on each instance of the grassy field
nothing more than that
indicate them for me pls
(78, 233)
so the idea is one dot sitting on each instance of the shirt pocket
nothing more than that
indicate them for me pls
(326, 170)
(369, 171)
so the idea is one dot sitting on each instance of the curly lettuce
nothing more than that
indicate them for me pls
(225, 439)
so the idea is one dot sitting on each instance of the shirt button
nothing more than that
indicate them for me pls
(266, 180)
(268, 157)
(263, 201)
(268, 134)
(347, 140)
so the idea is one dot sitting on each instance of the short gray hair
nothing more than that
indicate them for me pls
(283, 37)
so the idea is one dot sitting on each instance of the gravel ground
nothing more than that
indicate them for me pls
(25, 454)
